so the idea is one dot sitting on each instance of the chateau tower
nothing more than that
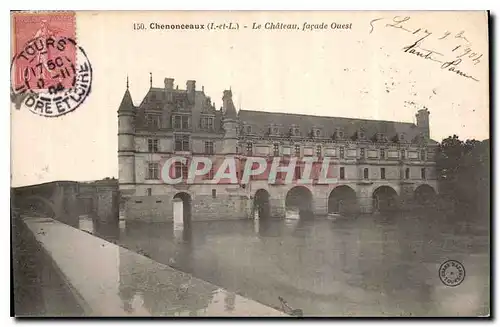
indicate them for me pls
(126, 142)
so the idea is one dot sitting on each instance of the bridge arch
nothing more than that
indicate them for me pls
(261, 204)
(384, 198)
(183, 213)
(299, 199)
(342, 199)
(424, 194)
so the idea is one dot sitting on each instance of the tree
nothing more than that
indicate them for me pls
(464, 172)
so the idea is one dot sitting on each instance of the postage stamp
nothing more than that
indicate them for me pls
(50, 73)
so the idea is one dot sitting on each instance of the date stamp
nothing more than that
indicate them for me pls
(51, 74)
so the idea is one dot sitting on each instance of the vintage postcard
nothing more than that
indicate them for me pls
(265, 164)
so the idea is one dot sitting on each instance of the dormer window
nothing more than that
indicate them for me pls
(315, 132)
(273, 130)
(294, 130)
(358, 135)
(248, 129)
(338, 135)
(380, 137)
(153, 120)
(400, 137)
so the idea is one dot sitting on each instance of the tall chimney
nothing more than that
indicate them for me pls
(423, 122)
(191, 88)
(169, 83)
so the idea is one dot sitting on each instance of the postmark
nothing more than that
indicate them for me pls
(452, 273)
(51, 74)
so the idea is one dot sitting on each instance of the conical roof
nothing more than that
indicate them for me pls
(227, 105)
(127, 104)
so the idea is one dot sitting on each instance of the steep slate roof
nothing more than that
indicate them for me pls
(156, 99)
(227, 104)
(127, 104)
(261, 120)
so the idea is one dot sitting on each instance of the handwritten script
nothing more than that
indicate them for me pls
(455, 49)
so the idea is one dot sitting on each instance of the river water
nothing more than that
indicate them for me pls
(369, 265)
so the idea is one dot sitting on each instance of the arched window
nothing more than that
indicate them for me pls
(365, 173)
(407, 173)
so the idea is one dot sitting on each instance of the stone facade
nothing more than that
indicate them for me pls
(367, 156)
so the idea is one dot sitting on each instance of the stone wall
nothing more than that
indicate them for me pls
(222, 207)
(228, 202)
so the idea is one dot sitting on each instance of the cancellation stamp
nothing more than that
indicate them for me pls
(452, 273)
(51, 74)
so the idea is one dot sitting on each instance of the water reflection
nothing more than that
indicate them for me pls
(142, 288)
(367, 265)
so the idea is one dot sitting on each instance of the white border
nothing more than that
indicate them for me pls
(493, 5)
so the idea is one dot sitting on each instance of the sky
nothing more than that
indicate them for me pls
(361, 72)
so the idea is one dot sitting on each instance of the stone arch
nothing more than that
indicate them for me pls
(261, 204)
(186, 200)
(385, 199)
(299, 198)
(342, 199)
(424, 194)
